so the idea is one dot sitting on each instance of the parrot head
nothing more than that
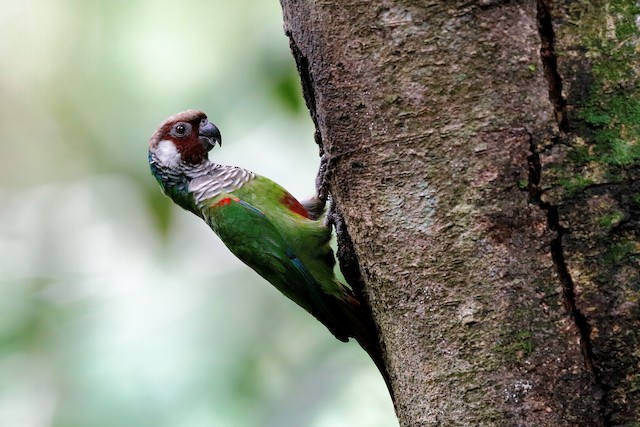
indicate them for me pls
(185, 137)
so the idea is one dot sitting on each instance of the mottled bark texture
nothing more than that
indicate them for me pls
(483, 157)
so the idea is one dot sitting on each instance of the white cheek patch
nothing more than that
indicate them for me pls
(167, 153)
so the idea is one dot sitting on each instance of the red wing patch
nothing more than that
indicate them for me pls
(224, 202)
(294, 205)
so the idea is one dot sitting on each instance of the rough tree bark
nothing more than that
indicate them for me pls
(483, 157)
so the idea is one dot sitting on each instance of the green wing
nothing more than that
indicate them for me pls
(254, 238)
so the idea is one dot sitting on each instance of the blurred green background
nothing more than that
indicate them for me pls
(117, 308)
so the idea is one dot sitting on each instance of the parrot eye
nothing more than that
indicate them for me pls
(181, 129)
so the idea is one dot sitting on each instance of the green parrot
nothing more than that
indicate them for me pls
(283, 240)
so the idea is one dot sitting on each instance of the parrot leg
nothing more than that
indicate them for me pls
(315, 204)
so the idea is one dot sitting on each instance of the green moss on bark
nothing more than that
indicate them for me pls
(592, 175)
(599, 57)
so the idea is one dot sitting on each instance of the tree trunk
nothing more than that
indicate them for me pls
(483, 159)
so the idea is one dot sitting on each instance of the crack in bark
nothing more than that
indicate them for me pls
(554, 81)
(564, 276)
(550, 63)
(557, 255)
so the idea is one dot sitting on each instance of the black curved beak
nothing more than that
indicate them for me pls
(209, 134)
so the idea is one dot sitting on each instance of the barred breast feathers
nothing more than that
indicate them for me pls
(219, 179)
(204, 181)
